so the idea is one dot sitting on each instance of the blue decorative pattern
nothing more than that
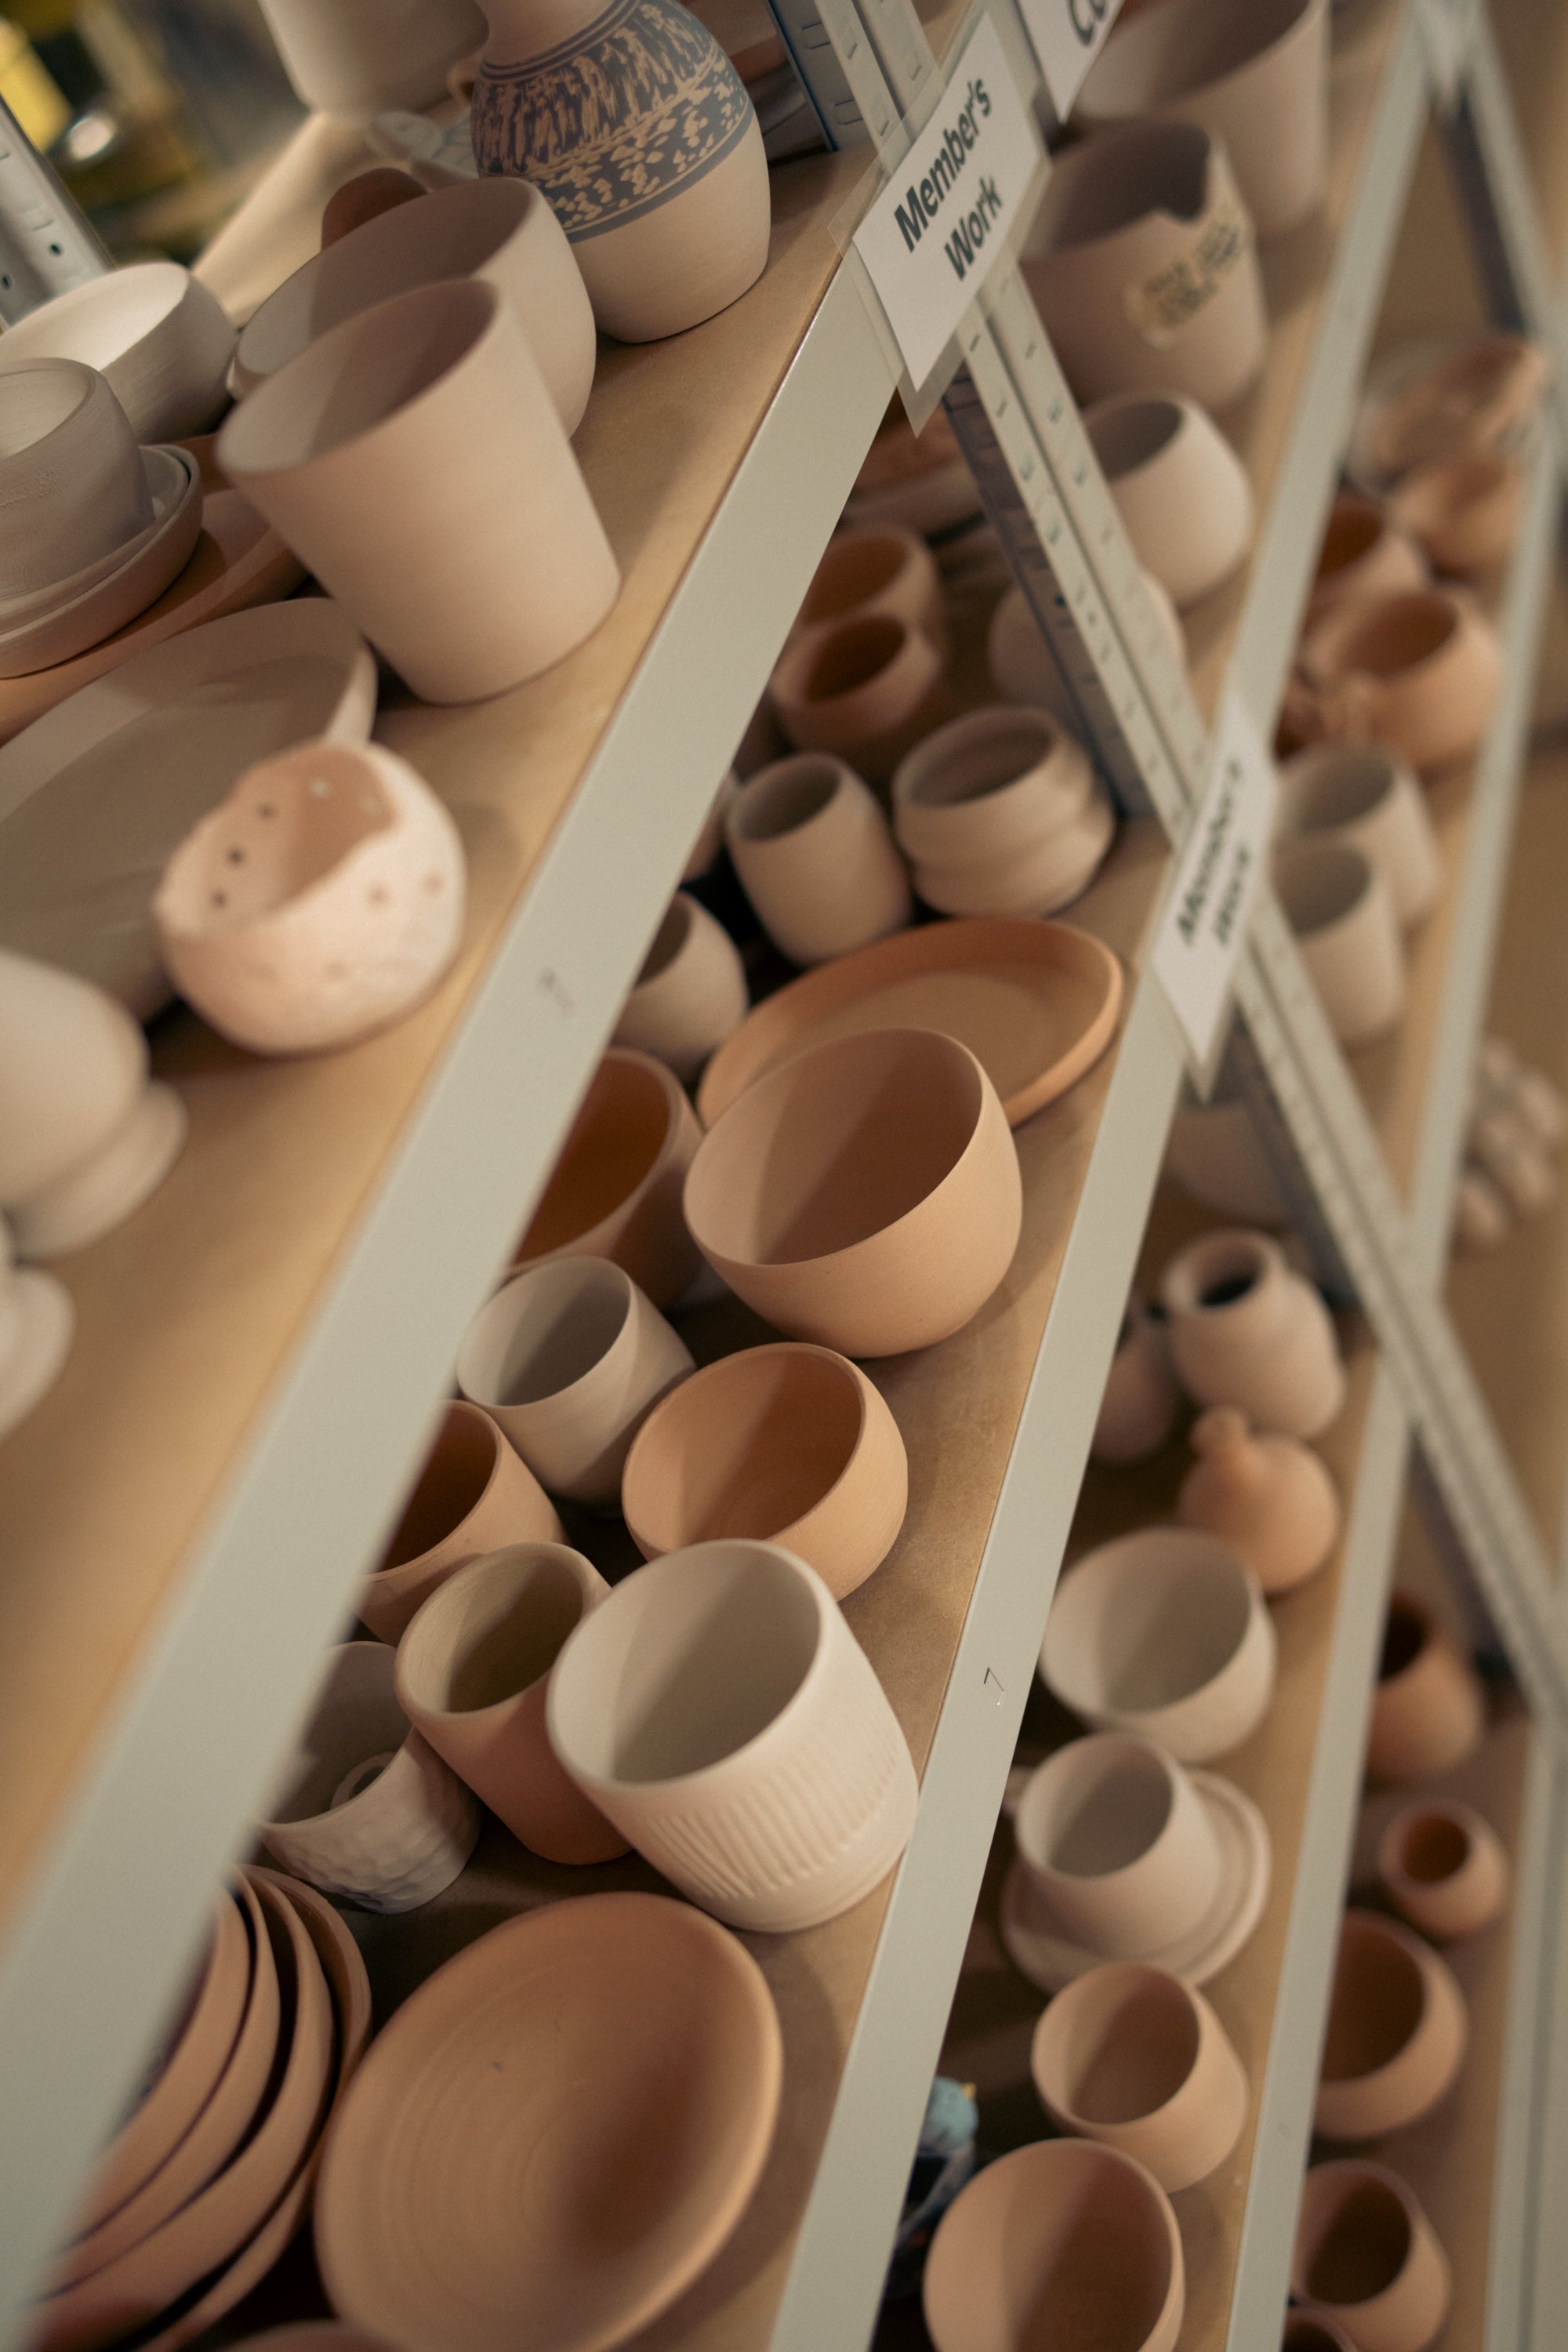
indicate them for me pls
(614, 120)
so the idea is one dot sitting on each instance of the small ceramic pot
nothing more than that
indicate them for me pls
(1367, 2254)
(1213, 1153)
(472, 1672)
(867, 689)
(363, 57)
(1463, 510)
(815, 858)
(868, 571)
(1163, 1633)
(320, 901)
(1364, 554)
(500, 231)
(787, 1445)
(1020, 2257)
(1022, 669)
(1361, 796)
(363, 198)
(72, 489)
(363, 1809)
(719, 1710)
(1269, 1498)
(569, 1358)
(160, 342)
(1002, 815)
(1396, 2033)
(1247, 1331)
(1428, 1711)
(1310, 2328)
(414, 459)
(38, 1322)
(1421, 673)
(1132, 2057)
(690, 993)
(1114, 1837)
(1342, 916)
(1143, 261)
(1139, 1409)
(1441, 1867)
(865, 1195)
(1179, 487)
(474, 1496)
(1475, 397)
(615, 1192)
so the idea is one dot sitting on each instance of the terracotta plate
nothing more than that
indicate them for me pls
(1036, 1003)
(554, 2135)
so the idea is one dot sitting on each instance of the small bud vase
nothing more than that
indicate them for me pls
(1269, 1498)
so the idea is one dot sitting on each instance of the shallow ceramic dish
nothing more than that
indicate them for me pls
(75, 618)
(97, 794)
(630, 2034)
(1035, 1004)
(154, 332)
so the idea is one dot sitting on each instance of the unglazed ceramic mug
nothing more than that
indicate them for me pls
(1441, 1865)
(815, 858)
(1364, 554)
(615, 1190)
(867, 689)
(719, 1710)
(1179, 487)
(1362, 796)
(72, 486)
(1247, 1331)
(1397, 2033)
(1132, 2057)
(1367, 2253)
(474, 1494)
(690, 993)
(1002, 814)
(1342, 918)
(1115, 1838)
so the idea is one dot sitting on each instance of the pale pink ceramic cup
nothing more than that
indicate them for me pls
(1116, 1839)
(1132, 2057)
(1441, 1865)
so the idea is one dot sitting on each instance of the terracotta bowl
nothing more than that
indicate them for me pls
(1463, 510)
(1134, 2058)
(1366, 2252)
(866, 1195)
(1441, 1867)
(626, 2034)
(1396, 2033)
(473, 1495)
(1363, 554)
(615, 1192)
(1428, 1711)
(348, 1980)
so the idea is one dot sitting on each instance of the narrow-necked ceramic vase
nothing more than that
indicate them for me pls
(1269, 1498)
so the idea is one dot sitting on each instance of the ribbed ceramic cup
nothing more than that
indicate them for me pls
(72, 486)
(865, 688)
(815, 858)
(1132, 2057)
(1366, 2252)
(718, 1710)
(1442, 1867)
(1342, 916)
(1363, 554)
(1397, 2033)
(474, 1494)
(690, 993)
(1247, 1331)
(1117, 1841)
(615, 1190)
(1363, 797)
(1179, 487)
(1428, 1710)
(876, 568)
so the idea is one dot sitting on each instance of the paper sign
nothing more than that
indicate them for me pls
(1449, 28)
(1204, 925)
(1065, 34)
(932, 234)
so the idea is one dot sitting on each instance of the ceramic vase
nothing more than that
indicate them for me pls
(1428, 1711)
(690, 993)
(1396, 2033)
(866, 689)
(162, 343)
(1139, 1409)
(865, 1195)
(871, 570)
(615, 1192)
(1420, 673)
(72, 488)
(415, 460)
(1367, 2254)
(473, 1669)
(1270, 1498)
(1342, 917)
(362, 56)
(1361, 796)
(474, 1495)
(1002, 813)
(719, 1710)
(1245, 1330)
(1364, 554)
(1213, 1153)
(815, 858)
(1135, 2058)
(1179, 488)
(569, 1358)
(1442, 1867)
(638, 129)
(1477, 396)
(1142, 262)
(1463, 510)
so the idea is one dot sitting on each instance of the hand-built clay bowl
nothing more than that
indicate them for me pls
(1396, 2033)
(1367, 2253)
(1132, 2057)
(554, 2135)
(690, 993)
(1363, 554)
(615, 1192)
(1441, 1865)
(474, 1494)
(789, 1445)
(1344, 921)
(1360, 795)
(1428, 1711)
(875, 569)
(153, 332)
(866, 1195)
(1003, 815)
(1062, 2242)
(865, 688)
(73, 492)
(1179, 487)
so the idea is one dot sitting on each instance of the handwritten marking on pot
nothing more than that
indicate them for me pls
(1205, 920)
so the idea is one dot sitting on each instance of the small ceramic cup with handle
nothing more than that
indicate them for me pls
(1363, 797)
(1342, 918)
(815, 858)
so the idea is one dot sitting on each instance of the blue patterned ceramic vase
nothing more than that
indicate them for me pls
(638, 128)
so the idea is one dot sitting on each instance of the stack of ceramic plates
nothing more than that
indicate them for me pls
(211, 2174)
(53, 624)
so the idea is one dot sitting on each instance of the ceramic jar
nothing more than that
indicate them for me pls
(1367, 2254)
(569, 1358)
(1002, 813)
(1139, 1409)
(84, 1134)
(1135, 2058)
(815, 858)
(1362, 796)
(474, 1496)
(473, 1669)
(865, 1195)
(1397, 2032)
(1020, 2257)
(1142, 262)
(1477, 396)
(718, 1710)
(869, 570)
(72, 487)
(413, 457)
(1213, 1153)
(1342, 917)
(1420, 673)
(1441, 1867)
(638, 128)
(1428, 1711)
(690, 993)
(362, 56)
(1463, 510)
(615, 1190)
(1364, 554)
(1269, 1498)
(787, 1444)
(160, 339)
(1247, 1331)
(1180, 488)
(36, 1324)
(867, 689)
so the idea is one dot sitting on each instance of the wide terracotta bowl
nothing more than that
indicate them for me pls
(866, 1195)
(615, 1192)
(1396, 2033)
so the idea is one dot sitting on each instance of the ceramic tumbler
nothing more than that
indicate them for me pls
(876, 568)
(1180, 488)
(865, 688)
(1396, 2033)
(72, 486)
(1366, 2252)
(1139, 1409)
(1364, 554)
(362, 56)
(1270, 1498)
(1132, 2057)
(1420, 672)
(1114, 1837)
(1441, 1865)
(690, 993)
(1363, 797)
(1428, 1711)
(815, 858)
(1247, 1331)
(615, 1191)
(474, 1496)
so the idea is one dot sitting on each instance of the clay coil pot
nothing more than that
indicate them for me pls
(568, 1359)
(1365, 554)
(690, 993)
(719, 1710)
(1059, 2241)
(1135, 2058)
(1342, 917)
(1215, 1155)
(1441, 1867)
(1396, 2033)
(472, 1672)
(160, 339)
(1361, 796)
(865, 688)
(865, 1195)
(1420, 673)
(1428, 1711)
(615, 1191)
(1179, 487)
(1002, 815)
(788, 1444)
(1270, 1498)
(1366, 2252)
(362, 56)
(815, 858)
(1479, 396)
(73, 493)
(1139, 1409)
(474, 1496)
(868, 571)
(1245, 1330)
(1463, 510)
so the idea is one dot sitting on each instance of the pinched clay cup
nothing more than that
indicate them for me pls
(865, 1195)
(1396, 2033)
(1247, 1331)
(1361, 796)
(1441, 1867)
(1270, 1498)
(615, 1191)
(1463, 510)
(875, 568)
(1364, 554)
(1002, 814)
(1132, 2057)
(1420, 672)
(1139, 1409)
(1428, 1711)
(815, 858)
(474, 1494)
(1342, 918)
(1119, 1843)
(690, 993)
(1367, 2254)
(1179, 487)
(865, 688)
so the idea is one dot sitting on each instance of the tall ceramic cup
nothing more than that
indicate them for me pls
(1337, 906)
(815, 858)
(1114, 1837)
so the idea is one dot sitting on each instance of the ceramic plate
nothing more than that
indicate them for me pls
(1036, 1003)
(554, 2135)
(96, 796)
(71, 623)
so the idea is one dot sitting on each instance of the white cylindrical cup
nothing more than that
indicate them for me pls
(1116, 1839)
(1363, 797)
(815, 858)
(1340, 910)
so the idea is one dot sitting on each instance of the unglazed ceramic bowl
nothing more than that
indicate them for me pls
(1141, 1399)
(1442, 1867)
(1397, 2033)
(1366, 2252)
(865, 688)
(1364, 554)
(1472, 395)
(43, 630)
(1179, 487)
(1132, 2057)
(1247, 1331)
(875, 568)
(1344, 921)
(1002, 813)
(1428, 1711)
(1361, 796)
(73, 492)
(1420, 672)
(615, 1191)
(866, 1195)
(474, 1494)
(815, 858)
(159, 338)
(690, 993)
